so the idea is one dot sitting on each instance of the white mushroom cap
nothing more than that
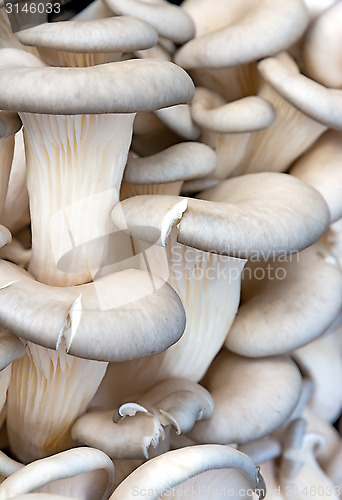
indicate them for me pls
(115, 34)
(186, 160)
(248, 114)
(300, 293)
(139, 426)
(159, 475)
(322, 48)
(238, 221)
(169, 20)
(63, 465)
(233, 33)
(320, 103)
(241, 389)
(140, 85)
(321, 166)
(178, 119)
(148, 315)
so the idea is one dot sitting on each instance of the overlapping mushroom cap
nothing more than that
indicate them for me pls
(148, 315)
(239, 417)
(73, 87)
(238, 220)
(317, 101)
(280, 292)
(232, 33)
(84, 43)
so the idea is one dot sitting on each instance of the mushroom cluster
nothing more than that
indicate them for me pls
(171, 251)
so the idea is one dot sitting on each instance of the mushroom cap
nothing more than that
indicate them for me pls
(321, 362)
(241, 389)
(138, 427)
(186, 160)
(10, 124)
(318, 102)
(121, 316)
(176, 466)
(302, 300)
(322, 48)
(321, 166)
(239, 219)
(179, 120)
(29, 85)
(248, 114)
(234, 33)
(62, 465)
(114, 34)
(169, 20)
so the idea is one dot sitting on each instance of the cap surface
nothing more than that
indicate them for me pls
(286, 303)
(29, 85)
(114, 34)
(125, 315)
(269, 213)
(248, 114)
(321, 166)
(169, 20)
(241, 389)
(318, 102)
(234, 33)
(186, 160)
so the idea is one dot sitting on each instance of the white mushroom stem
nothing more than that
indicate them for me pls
(47, 392)
(63, 465)
(209, 287)
(159, 475)
(74, 170)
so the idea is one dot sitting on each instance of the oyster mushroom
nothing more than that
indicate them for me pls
(175, 467)
(139, 426)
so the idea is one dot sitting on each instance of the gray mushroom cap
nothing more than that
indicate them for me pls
(300, 294)
(318, 102)
(241, 389)
(269, 213)
(234, 38)
(186, 160)
(169, 20)
(114, 34)
(122, 316)
(321, 166)
(29, 85)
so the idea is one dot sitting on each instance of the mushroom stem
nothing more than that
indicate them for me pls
(74, 172)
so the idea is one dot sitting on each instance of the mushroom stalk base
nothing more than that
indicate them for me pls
(47, 392)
